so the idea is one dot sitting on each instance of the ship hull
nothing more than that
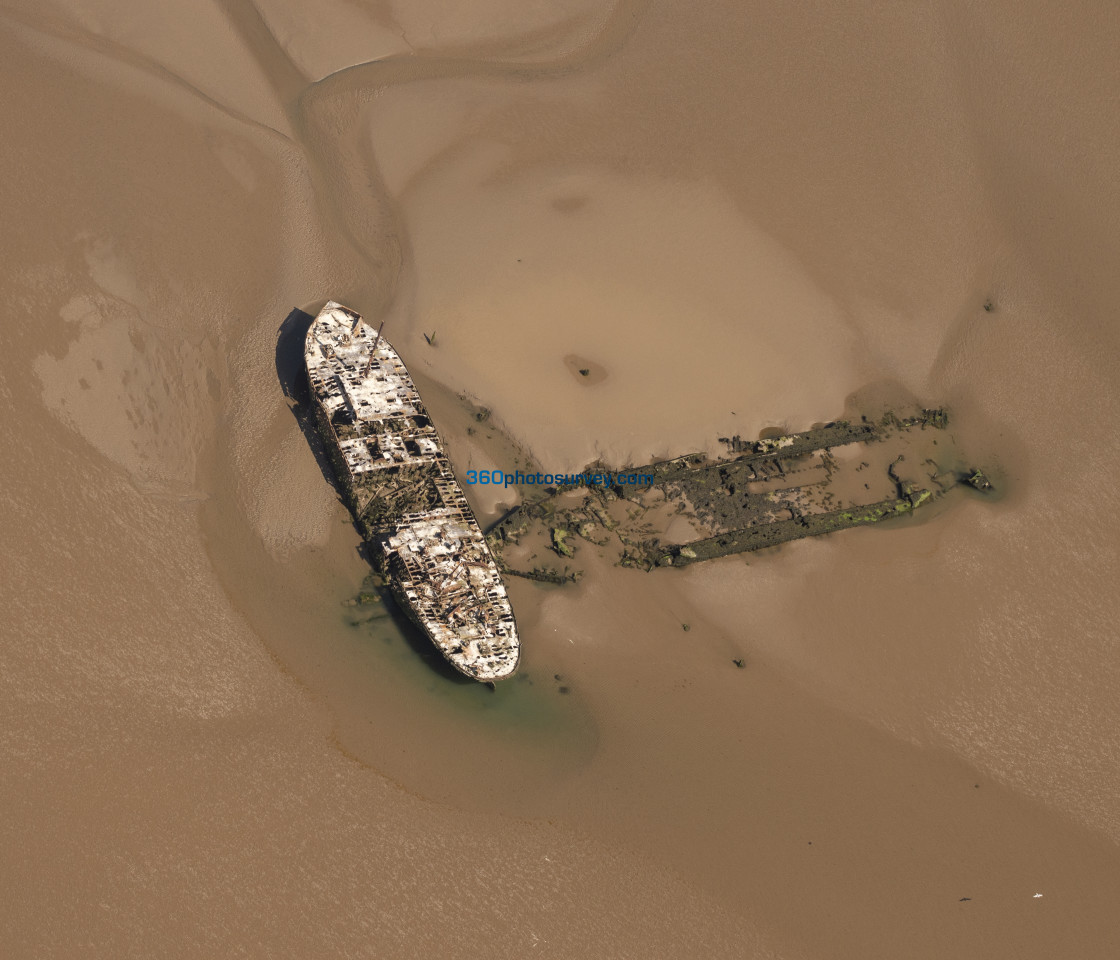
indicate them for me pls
(404, 496)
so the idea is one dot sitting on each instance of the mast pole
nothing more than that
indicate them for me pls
(373, 350)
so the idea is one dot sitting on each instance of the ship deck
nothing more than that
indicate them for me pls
(438, 562)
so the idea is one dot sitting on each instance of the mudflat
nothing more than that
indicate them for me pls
(738, 218)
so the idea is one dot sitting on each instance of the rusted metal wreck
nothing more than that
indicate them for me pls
(761, 494)
(404, 496)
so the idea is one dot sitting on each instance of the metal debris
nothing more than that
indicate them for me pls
(762, 493)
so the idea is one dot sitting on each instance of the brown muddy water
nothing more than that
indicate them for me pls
(737, 217)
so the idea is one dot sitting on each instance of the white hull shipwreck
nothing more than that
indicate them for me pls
(403, 493)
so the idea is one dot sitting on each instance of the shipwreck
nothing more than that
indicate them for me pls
(404, 497)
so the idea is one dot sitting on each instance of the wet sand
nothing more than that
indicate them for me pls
(735, 218)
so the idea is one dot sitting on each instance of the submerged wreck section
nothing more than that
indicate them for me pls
(403, 494)
(761, 494)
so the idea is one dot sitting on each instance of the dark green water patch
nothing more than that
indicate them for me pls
(407, 712)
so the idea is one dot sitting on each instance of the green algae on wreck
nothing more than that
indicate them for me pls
(761, 494)
(782, 531)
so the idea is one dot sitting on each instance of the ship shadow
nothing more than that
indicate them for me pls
(420, 645)
(291, 374)
(293, 381)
